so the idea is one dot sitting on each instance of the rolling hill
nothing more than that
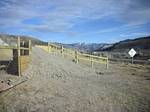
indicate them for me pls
(85, 47)
(139, 44)
(142, 43)
(11, 39)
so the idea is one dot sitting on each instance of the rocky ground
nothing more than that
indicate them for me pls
(56, 84)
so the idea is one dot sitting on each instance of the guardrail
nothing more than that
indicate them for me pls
(77, 56)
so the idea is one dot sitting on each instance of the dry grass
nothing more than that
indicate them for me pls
(5, 54)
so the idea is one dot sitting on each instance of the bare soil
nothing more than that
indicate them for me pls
(57, 84)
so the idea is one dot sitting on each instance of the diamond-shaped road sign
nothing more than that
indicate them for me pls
(132, 52)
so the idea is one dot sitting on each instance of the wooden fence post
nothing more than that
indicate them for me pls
(76, 56)
(48, 47)
(30, 47)
(55, 50)
(91, 61)
(107, 63)
(18, 48)
(62, 50)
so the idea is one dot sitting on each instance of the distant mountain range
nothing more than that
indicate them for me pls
(142, 43)
(86, 47)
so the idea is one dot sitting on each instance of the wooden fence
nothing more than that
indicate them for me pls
(77, 56)
(21, 56)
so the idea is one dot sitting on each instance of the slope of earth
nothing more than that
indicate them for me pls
(12, 39)
(142, 43)
(57, 84)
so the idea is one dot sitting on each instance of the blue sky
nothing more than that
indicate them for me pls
(71, 21)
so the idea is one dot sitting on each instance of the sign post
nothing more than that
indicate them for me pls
(132, 53)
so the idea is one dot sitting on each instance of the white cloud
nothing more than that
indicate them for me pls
(135, 34)
(62, 15)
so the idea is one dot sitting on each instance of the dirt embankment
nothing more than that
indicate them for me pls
(57, 84)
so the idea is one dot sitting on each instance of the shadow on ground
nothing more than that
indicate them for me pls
(9, 66)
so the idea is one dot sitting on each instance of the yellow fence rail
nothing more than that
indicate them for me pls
(77, 56)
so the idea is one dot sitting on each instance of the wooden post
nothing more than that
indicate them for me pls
(22, 44)
(76, 56)
(91, 61)
(62, 50)
(107, 63)
(48, 48)
(18, 48)
(30, 47)
(55, 49)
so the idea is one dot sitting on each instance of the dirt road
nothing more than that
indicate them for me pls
(57, 84)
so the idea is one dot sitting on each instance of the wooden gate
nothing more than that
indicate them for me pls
(21, 56)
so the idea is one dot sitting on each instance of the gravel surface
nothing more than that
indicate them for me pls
(57, 84)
